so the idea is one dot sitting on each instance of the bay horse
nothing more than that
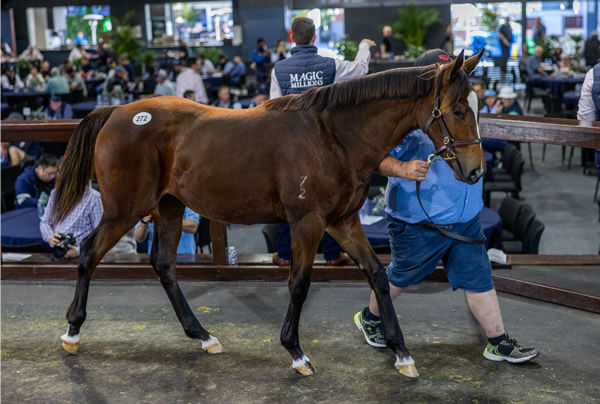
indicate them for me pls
(303, 159)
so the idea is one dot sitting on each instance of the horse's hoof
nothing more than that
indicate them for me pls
(215, 348)
(212, 345)
(303, 366)
(70, 344)
(406, 366)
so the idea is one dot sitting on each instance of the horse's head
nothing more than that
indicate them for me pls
(449, 116)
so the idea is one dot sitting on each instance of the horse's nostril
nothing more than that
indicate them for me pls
(475, 174)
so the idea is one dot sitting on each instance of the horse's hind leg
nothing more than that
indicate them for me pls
(167, 232)
(306, 235)
(349, 234)
(92, 249)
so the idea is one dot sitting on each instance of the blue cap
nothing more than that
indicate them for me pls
(489, 93)
(117, 69)
(55, 98)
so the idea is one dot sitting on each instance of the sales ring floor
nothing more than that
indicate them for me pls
(134, 350)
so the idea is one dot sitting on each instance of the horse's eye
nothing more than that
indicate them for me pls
(459, 114)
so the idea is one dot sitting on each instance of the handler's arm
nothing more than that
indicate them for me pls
(414, 170)
(345, 69)
(189, 226)
(275, 90)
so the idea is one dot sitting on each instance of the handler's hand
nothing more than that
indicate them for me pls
(56, 237)
(415, 170)
(368, 41)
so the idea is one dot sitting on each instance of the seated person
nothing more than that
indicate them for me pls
(508, 102)
(76, 84)
(128, 67)
(119, 78)
(490, 102)
(224, 64)
(190, 95)
(87, 70)
(187, 244)
(236, 71)
(35, 81)
(82, 220)
(20, 152)
(224, 99)
(205, 66)
(11, 81)
(564, 66)
(35, 180)
(534, 66)
(45, 70)
(58, 109)
(258, 99)
(164, 86)
(57, 84)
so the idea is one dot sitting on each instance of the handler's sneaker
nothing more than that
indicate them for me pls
(509, 350)
(372, 330)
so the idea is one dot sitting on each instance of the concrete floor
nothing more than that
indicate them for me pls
(133, 348)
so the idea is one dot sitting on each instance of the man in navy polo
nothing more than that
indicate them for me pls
(302, 71)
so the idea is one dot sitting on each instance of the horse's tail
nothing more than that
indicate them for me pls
(77, 165)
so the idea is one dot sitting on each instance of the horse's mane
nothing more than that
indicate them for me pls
(412, 82)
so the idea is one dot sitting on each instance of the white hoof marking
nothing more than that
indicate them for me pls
(209, 342)
(300, 362)
(405, 361)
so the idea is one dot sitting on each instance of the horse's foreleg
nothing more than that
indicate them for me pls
(349, 234)
(167, 232)
(92, 249)
(306, 235)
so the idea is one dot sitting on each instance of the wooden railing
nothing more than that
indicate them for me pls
(517, 128)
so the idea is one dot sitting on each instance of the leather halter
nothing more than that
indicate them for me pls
(449, 143)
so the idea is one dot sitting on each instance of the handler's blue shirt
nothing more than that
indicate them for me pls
(446, 199)
(187, 243)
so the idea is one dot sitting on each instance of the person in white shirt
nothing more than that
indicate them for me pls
(164, 86)
(12, 81)
(206, 66)
(31, 54)
(343, 69)
(189, 79)
(78, 53)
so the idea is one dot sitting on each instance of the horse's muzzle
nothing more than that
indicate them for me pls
(474, 175)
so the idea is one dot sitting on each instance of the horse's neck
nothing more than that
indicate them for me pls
(373, 129)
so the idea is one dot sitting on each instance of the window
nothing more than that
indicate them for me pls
(196, 23)
(67, 26)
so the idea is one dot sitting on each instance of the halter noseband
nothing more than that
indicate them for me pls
(449, 141)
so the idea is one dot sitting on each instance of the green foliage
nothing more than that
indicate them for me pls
(548, 44)
(412, 24)
(188, 13)
(346, 48)
(123, 41)
(147, 57)
(489, 19)
(413, 51)
(211, 54)
(578, 39)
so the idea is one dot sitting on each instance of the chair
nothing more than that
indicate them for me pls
(513, 186)
(25, 248)
(524, 219)
(271, 233)
(509, 212)
(533, 235)
(202, 236)
(9, 176)
(530, 90)
(508, 155)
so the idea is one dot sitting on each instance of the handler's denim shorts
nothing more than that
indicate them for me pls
(416, 251)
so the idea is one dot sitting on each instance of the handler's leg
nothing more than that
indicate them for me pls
(349, 234)
(374, 307)
(486, 310)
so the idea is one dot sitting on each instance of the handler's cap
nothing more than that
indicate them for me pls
(433, 56)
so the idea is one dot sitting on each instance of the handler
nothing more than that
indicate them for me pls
(417, 248)
(302, 71)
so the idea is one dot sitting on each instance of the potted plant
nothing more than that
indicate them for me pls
(412, 25)
(347, 48)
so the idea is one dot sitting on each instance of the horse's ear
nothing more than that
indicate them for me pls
(472, 62)
(457, 64)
